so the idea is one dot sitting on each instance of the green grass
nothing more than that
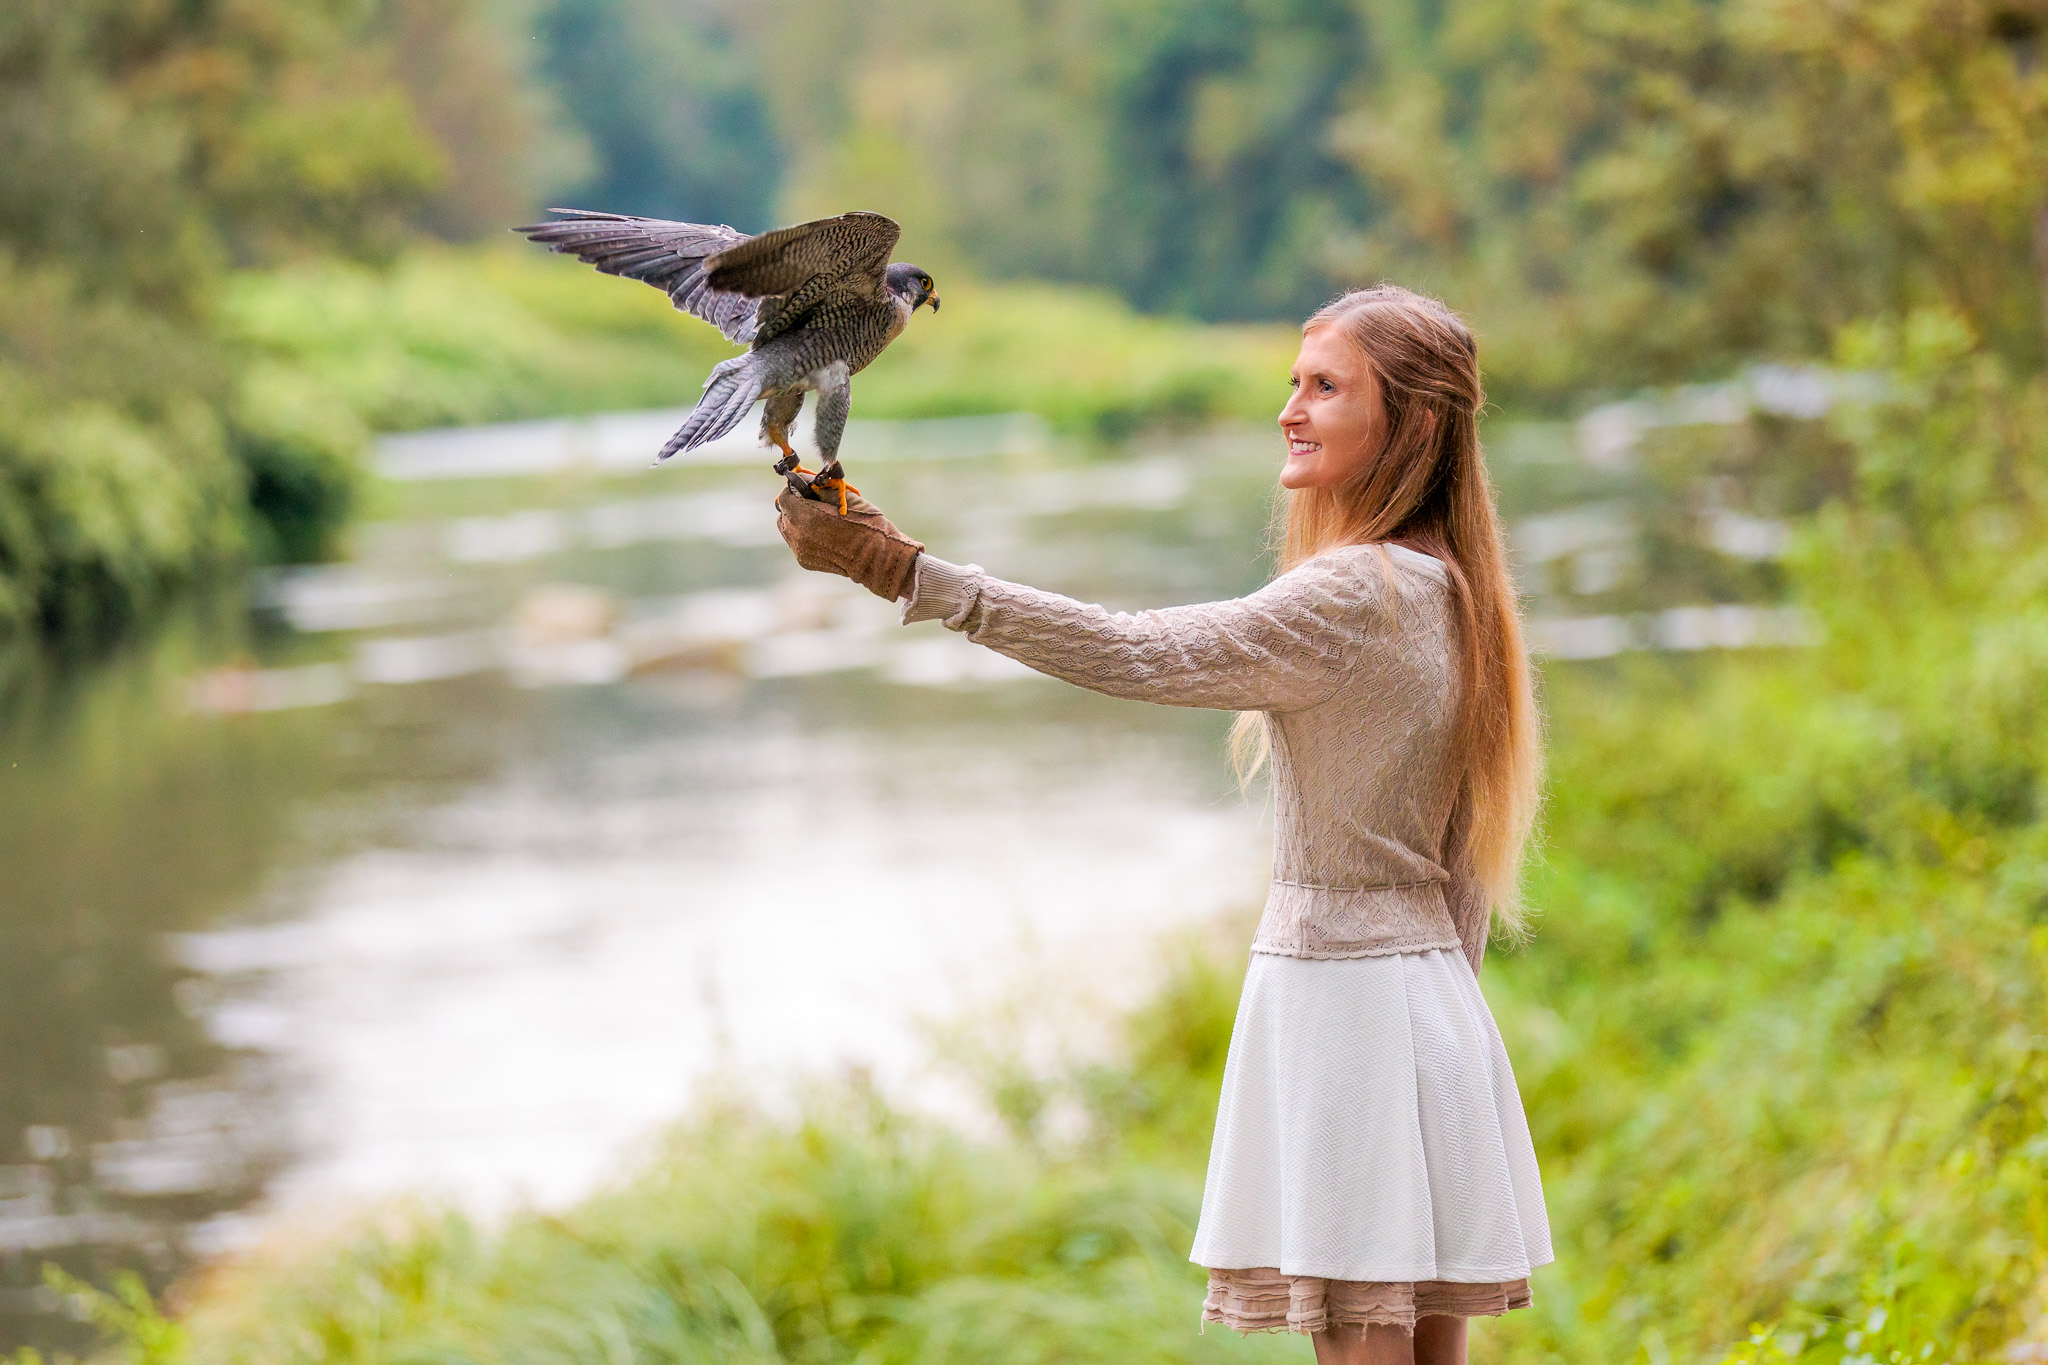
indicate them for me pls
(449, 336)
(855, 1234)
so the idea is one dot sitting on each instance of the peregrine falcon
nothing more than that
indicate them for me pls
(817, 302)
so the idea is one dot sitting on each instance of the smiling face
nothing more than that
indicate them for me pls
(1334, 420)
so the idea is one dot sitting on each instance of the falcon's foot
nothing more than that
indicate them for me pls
(832, 480)
(800, 479)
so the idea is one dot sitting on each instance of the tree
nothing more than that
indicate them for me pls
(144, 148)
(677, 128)
(1625, 191)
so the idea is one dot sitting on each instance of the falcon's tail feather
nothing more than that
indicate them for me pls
(727, 397)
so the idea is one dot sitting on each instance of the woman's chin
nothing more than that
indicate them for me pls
(1299, 474)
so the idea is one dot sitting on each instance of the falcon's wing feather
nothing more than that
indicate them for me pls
(852, 250)
(670, 256)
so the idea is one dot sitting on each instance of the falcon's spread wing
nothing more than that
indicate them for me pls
(670, 256)
(850, 252)
(795, 269)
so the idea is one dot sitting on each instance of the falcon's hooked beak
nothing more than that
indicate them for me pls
(933, 299)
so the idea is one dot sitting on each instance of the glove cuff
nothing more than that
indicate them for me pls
(940, 591)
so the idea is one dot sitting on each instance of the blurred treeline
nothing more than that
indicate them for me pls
(1617, 191)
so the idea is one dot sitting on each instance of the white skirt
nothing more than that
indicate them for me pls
(1369, 1128)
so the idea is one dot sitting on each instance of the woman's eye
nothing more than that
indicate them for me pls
(1292, 382)
(1328, 387)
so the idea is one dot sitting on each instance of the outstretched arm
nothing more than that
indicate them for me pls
(1283, 648)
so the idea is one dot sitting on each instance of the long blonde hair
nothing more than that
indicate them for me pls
(1427, 488)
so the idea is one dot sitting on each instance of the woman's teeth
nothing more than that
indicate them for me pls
(1300, 447)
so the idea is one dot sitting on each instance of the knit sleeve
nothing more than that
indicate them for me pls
(1283, 648)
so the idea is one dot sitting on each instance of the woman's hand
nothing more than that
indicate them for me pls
(860, 544)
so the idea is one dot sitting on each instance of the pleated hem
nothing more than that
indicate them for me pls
(1264, 1300)
(1397, 1274)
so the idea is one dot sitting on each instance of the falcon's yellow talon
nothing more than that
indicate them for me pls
(839, 486)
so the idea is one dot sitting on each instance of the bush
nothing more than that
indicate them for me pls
(301, 450)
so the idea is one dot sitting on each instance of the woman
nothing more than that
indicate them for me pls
(1371, 1181)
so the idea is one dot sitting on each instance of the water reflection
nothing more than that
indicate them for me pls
(122, 1119)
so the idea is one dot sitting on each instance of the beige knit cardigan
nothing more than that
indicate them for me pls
(1353, 658)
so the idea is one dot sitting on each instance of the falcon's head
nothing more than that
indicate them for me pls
(911, 284)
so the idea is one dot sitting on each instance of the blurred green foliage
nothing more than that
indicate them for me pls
(1779, 1035)
(1625, 191)
(674, 114)
(145, 148)
(451, 336)
(1176, 151)
(459, 335)
(1617, 191)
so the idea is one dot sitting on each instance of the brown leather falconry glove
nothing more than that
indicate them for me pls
(860, 545)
